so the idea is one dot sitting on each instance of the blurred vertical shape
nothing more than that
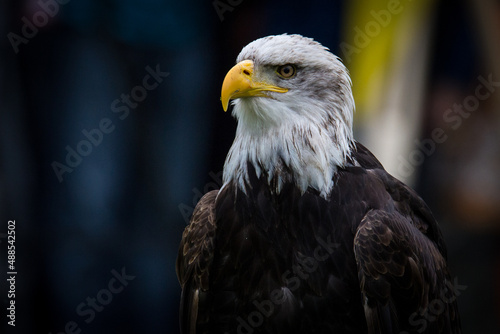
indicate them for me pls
(118, 207)
(387, 55)
(460, 180)
(464, 175)
(487, 17)
(17, 187)
(475, 192)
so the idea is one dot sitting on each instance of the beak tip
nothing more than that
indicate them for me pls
(225, 104)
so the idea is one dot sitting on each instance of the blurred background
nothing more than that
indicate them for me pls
(111, 129)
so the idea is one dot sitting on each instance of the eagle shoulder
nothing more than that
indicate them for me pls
(401, 260)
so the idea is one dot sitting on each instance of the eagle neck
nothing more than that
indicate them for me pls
(305, 154)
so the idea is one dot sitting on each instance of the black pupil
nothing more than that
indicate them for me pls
(287, 70)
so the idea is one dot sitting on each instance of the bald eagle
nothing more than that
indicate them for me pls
(308, 233)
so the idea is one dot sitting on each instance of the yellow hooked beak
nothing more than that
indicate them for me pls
(239, 82)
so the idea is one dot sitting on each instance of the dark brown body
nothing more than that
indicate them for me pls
(368, 259)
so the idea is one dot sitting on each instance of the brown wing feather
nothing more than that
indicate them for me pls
(194, 259)
(400, 272)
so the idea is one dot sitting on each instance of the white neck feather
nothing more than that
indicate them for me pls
(287, 146)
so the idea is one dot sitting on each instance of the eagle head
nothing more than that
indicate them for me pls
(293, 101)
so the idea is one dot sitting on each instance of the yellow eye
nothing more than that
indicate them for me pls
(286, 71)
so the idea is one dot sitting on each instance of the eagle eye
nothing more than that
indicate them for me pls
(287, 71)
